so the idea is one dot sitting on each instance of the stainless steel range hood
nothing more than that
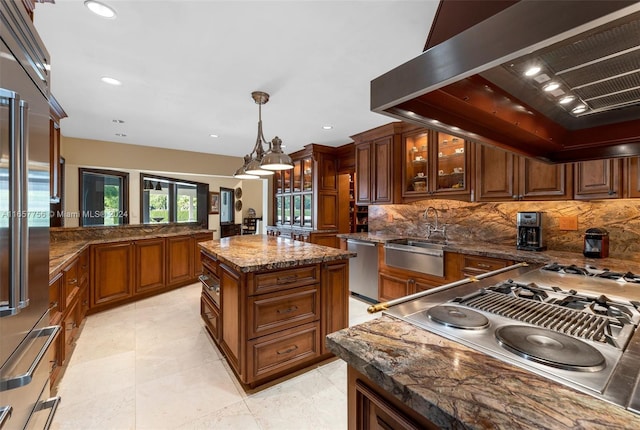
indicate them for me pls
(474, 83)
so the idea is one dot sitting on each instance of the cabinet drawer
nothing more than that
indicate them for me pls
(269, 313)
(288, 278)
(476, 265)
(209, 262)
(71, 282)
(211, 317)
(281, 351)
(55, 297)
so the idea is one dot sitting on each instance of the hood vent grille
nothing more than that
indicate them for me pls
(474, 85)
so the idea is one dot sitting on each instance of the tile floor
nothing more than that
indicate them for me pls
(151, 365)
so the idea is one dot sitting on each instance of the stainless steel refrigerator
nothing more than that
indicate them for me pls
(26, 339)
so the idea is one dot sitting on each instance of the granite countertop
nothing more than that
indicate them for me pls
(261, 252)
(63, 251)
(456, 387)
(508, 252)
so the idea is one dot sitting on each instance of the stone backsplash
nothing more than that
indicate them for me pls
(495, 222)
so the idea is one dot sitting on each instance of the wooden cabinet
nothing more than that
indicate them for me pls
(472, 265)
(633, 176)
(378, 171)
(149, 264)
(502, 175)
(335, 304)
(372, 408)
(598, 179)
(197, 238)
(112, 272)
(179, 262)
(435, 165)
(273, 322)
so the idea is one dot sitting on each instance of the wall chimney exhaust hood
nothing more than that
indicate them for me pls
(482, 84)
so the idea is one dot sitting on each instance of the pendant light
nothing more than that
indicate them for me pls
(259, 162)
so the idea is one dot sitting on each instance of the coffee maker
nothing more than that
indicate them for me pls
(529, 225)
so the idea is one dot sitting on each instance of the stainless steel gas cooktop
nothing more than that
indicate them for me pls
(572, 327)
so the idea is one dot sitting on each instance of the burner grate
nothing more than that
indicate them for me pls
(563, 320)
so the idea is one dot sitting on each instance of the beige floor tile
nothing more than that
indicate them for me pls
(115, 411)
(336, 372)
(233, 417)
(98, 343)
(173, 400)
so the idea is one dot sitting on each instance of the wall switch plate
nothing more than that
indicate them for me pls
(568, 222)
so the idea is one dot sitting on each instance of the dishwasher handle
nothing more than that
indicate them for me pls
(360, 242)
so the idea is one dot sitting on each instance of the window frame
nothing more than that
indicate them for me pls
(105, 172)
(202, 193)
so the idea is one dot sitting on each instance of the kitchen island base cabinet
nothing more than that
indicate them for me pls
(273, 322)
(371, 408)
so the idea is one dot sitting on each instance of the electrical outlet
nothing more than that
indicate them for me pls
(568, 222)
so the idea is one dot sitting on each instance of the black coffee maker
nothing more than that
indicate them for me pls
(529, 225)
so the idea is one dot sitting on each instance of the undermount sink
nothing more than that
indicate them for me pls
(417, 255)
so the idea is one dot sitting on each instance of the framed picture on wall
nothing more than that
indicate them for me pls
(214, 202)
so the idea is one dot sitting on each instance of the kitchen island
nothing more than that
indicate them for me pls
(269, 302)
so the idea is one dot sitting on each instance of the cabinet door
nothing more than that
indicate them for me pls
(598, 179)
(495, 174)
(450, 161)
(112, 272)
(392, 287)
(382, 172)
(373, 412)
(363, 174)
(634, 177)
(197, 266)
(232, 321)
(415, 167)
(179, 259)
(335, 299)
(149, 258)
(538, 180)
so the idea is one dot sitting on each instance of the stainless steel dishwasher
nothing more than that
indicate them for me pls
(363, 270)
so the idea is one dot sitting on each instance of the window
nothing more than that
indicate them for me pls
(103, 197)
(168, 200)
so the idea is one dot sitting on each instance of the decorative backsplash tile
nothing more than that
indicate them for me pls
(495, 222)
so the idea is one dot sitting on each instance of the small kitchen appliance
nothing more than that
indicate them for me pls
(529, 225)
(596, 243)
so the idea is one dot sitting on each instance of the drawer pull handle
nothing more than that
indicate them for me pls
(285, 279)
(288, 350)
(288, 310)
(484, 266)
(73, 281)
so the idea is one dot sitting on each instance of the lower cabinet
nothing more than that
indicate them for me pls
(179, 259)
(149, 264)
(113, 278)
(271, 323)
(372, 408)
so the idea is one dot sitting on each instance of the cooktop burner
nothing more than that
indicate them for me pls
(605, 273)
(550, 348)
(457, 317)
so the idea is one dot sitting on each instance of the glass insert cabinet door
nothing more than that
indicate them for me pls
(416, 154)
(450, 162)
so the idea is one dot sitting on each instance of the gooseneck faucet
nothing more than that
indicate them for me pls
(433, 228)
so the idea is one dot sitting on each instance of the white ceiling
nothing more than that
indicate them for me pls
(188, 68)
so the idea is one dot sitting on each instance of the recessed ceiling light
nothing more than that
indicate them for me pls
(579, 109)
(567, 99)
(121, 135)
(551, 86)
(327, 127)
(213, 135)
(118, 121)
(100, 9)
(531, 71)
(110, 81)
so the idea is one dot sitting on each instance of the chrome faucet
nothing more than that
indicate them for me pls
(433, 228)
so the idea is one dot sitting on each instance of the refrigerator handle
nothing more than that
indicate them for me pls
(12, 100)
(24, 205)
(5, 414)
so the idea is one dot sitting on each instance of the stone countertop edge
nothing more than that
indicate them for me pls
(510, 252)
(456, 387)
(62, 252)
(261, 252)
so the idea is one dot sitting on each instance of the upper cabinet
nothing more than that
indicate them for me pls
(434, 164)
(307, 195)
(598, 179)
(502, 175)
(378, 171)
